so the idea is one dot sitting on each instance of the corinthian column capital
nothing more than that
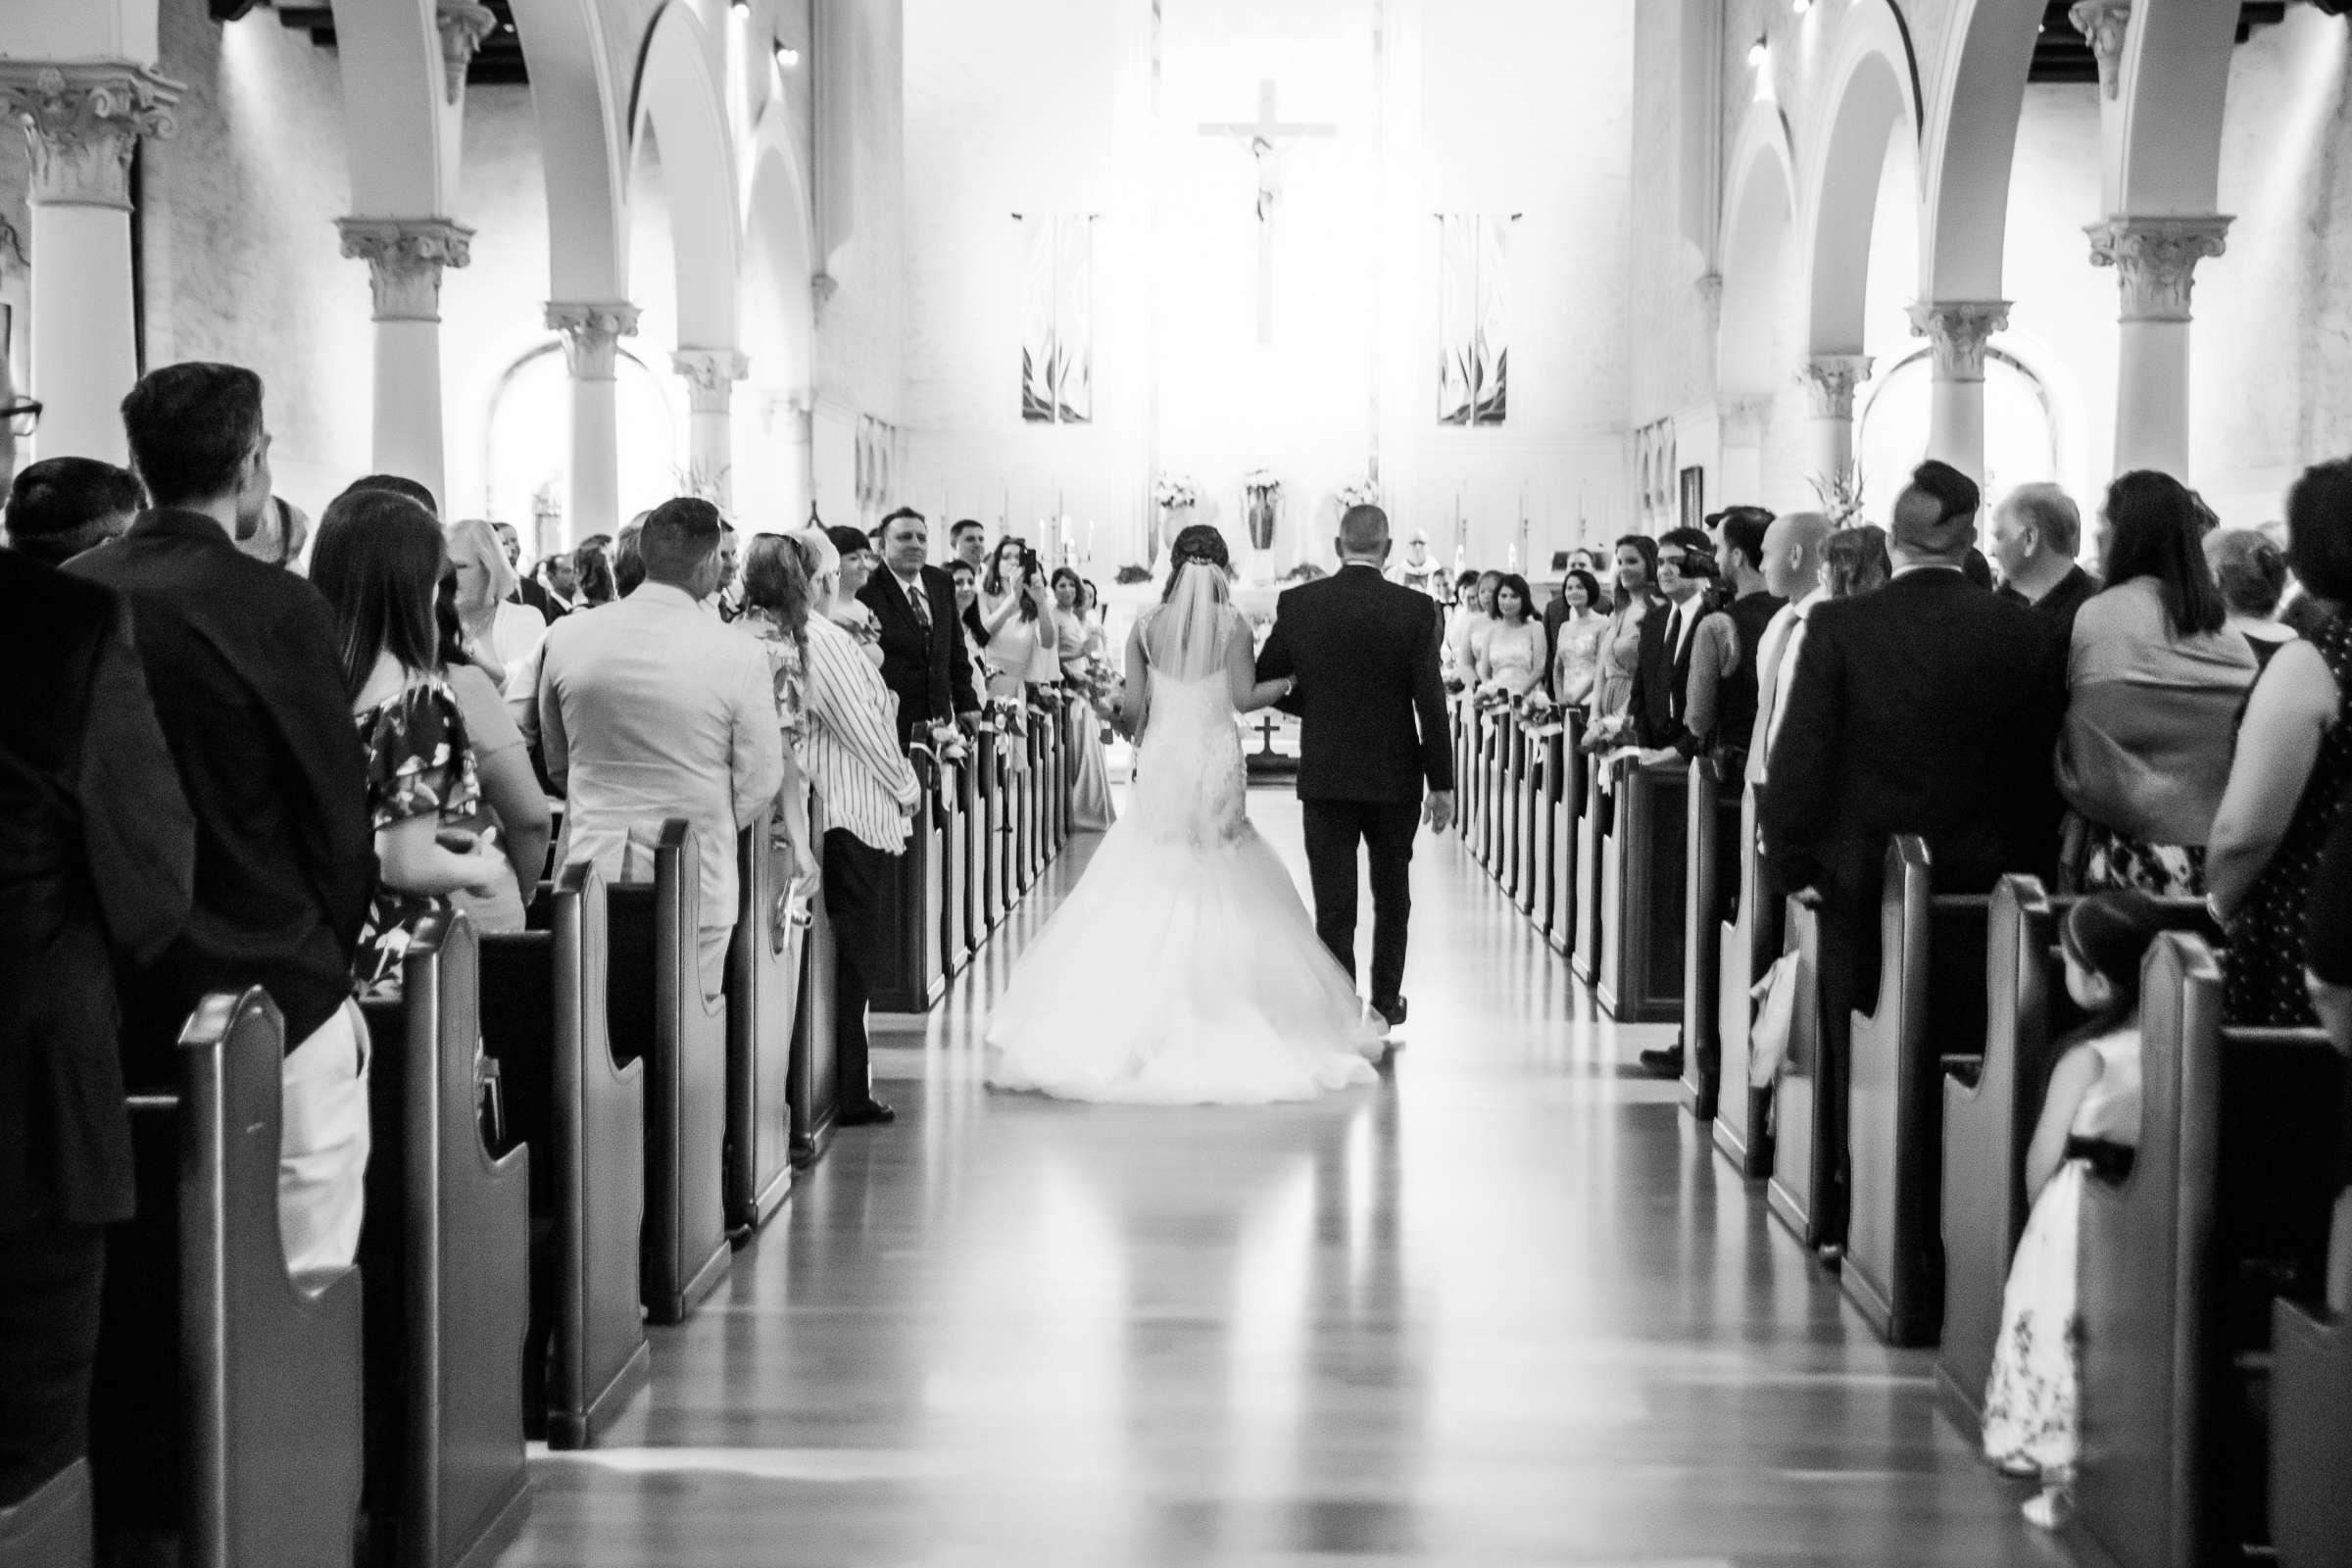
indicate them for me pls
(464, 26)
(1743, 419)
(1957, 331)
(710, 376)
(2156, 259)
(1830, 381)
(404, 257)
(82, 119)
(2103, 24)
(592, 332)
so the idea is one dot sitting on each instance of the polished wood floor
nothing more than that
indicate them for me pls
(1504, 1310)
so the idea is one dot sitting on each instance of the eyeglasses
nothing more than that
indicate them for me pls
(24, 415)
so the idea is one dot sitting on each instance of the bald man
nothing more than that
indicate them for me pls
(1791, 569)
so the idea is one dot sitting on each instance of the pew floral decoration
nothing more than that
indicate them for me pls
(1543, 716)
(948, 742)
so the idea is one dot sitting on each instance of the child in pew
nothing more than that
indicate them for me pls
(2089, 1121)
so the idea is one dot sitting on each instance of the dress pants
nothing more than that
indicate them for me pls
(1333, 829)
(862, 891)
(49, 1294)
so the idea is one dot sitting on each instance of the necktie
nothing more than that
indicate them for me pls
(921, 601)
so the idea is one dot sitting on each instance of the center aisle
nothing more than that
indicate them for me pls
(1508, 1309)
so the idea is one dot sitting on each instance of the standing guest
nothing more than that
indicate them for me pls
(59, 506)
(1080, 643)
(2252, 573)
(1576, 656)
(1792, 551)
(922, 657)
(1854, 561)
(512, 798)
(652, 710)
(628, 559)
(1925, 708)
(2036, 532)
(865, 790)
(2292, 772)
(1465, 609)
(502, 634)
(242, 660)
(2154, 685)
(727, 603)
(592, 571)
(778, 602)
(966, 578)
(967, 547)
(1636, 557)
(398, 484)
(379, 562)
(1740, 536)
(527, 590)
(847, 607)
(1662, 665)
(1014, 613)
(96, 871)
(1466, 643)
(558, 575)
(280, 539)
(1510, 658)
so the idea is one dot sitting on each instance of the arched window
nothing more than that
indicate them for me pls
(2021, 427)
(527, 446)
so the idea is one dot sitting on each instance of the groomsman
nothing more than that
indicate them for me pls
(930, 672)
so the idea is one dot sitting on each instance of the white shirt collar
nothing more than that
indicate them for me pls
(661, 593)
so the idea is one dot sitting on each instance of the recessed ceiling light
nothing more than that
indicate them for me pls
(787, 56)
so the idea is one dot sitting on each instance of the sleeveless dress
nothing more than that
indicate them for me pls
(2032, 1402)
(1184, 968)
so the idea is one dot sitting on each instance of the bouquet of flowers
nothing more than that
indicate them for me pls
(948, 742)
(1362, 493)
(1541, 714)
(1100, 684)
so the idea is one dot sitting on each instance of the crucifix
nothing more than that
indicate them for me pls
(1265, 137)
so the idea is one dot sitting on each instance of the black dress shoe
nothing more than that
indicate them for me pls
(873, 1114)
(1395, 1013)
(1663, 1063)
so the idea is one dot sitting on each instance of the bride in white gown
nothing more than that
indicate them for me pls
(1184, 969)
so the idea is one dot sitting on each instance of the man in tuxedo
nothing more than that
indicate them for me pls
(1740, 534)
(1371, 708)
(1662, 669)
(1928, 707)
(924, 663)
(98, 863)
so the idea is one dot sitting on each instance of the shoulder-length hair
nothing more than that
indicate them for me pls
(2154, 530)
(474, 537)
(378, 559)
(1593, 600)
(776, 578)
(1854, 561)
(994, 584)
(1513, 582)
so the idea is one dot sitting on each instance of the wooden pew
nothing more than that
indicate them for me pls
(2311, 1435)
(994, 828)
(1801, 1157)
(763, 999)
(1542, 856)
(445, 1251)
(1516, 773)
(1704, 838)
(658, 1014)
(1526, 862)
(813, 1084)
(2226, 1207)
(1567, 808)
(1745, 950)
(1929, 1014)
(955, 799)
(1591, 848)
(582, 1112)
(228, 1405)
(917, 977)
(51, 1528)
(1641, 890)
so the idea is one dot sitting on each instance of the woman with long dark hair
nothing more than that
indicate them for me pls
(777, 596)
(1621, 644)
(1576, 664)
(1511, 660)
(378, 560)
(512, 798)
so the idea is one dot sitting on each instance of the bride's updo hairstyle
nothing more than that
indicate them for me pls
(1198, 542)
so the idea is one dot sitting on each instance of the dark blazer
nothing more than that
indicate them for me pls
(1370, 702)
(529, 591)
(932, 675)
(1656, 707)
(1928, 707)
(241, 658)
(95, 870)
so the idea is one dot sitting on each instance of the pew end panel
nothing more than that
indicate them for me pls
(815, 1074)
(1703, 840)
(763, 984)
(1591, 848)
(2311, 1437)
(51, 1528)
(1802, 1161)
(1567, 807)
(1642, 935)
(1747, 945)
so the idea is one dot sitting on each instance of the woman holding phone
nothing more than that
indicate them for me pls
(1017, 613)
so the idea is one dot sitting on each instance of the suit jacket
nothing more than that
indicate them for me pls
(1370, 702)
(530, 591)
(242, 660)
(95, 879)
(931, 673)
(654, 707)
(1928, 707)
(1661, 674)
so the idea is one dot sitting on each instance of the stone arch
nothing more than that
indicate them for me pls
(2175, 81)
(1971, 147)
(392, 105)
(1758, 228)
(580, 146)
(1871, 94)
(778, 327)
(679, 98)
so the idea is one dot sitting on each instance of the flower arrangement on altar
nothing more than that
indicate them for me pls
(1304, 571)
(1841, 494)
(1175, 493)
(1131, 574)
(1362, 493)
(1263, 493)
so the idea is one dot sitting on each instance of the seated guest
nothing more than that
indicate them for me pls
(1611, 724)
(1023, 641)
(1792, 558)
(244, 665)
(865, 791)
(652, 708)
(1510, 658)
(922, 653)
(96, 870)
(844, 607)
(1740, 534)
(527, 589)
(2089, 1121)
(512, 800)
(2154, 684)
(2252, 573)
(380, 563)
(778, 602)
(1670, 647)
(2036, 531)
(1929, 708)
(1576, 655)
(2293, 768)
(59, 506)
(502, 634)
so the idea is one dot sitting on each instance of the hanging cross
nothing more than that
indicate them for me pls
(1265, 137)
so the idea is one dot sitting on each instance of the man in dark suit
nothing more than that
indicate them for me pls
(1928, 707)
(1662, 667)
(242, 661)
(1371, 708)
(94, 882)
(923, 661)
(527, 589)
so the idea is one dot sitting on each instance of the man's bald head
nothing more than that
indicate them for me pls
(1793, 553)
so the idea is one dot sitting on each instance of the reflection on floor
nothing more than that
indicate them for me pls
(1504, 1310)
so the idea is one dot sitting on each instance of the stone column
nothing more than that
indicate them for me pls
(462, 27)
(1742, 422)
(83, 120)
(592, 332)
(404, 257)
(710, 376)
(1830, 382)
(1958, 331)
(2156, 260)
